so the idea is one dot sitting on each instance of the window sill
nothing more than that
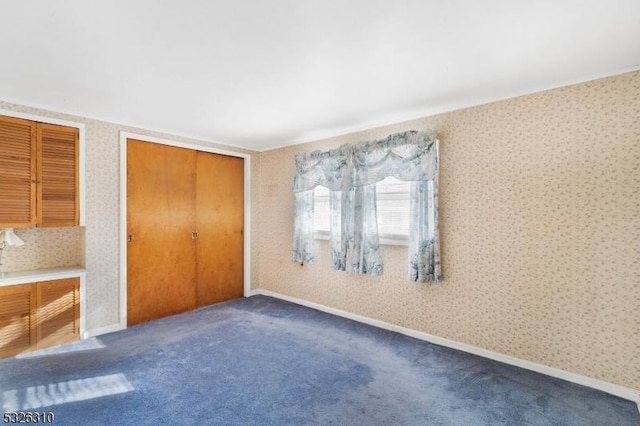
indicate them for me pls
(385, 241)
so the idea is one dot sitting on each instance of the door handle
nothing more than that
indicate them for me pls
(130, 238)
(194, 235)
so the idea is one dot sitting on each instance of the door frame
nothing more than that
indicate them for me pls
(123, 209)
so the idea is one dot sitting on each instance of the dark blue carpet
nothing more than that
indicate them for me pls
(261, 361)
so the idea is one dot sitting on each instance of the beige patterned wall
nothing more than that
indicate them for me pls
(540, 226)
(99, 239)
(45, 248)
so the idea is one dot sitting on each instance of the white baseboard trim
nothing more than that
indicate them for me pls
(103, 330)
(611, 388)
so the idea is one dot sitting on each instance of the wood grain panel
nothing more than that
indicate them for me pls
(17, 327)
(18, 173)
(220, 219)
(161, 269)
(58, 175)
(58, 312)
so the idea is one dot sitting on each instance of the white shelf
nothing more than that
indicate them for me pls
(24, 277)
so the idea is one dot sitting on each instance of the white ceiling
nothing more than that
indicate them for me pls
(263, 74)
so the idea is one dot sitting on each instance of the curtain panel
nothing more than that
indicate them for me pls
(351, 173)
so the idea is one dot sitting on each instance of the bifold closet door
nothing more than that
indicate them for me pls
(161, 249)
(220, 224)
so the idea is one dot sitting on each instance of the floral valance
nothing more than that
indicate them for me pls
(408, 156)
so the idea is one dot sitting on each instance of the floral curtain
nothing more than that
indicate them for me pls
(303, 227)
(351, 172)
(353, 231)
(424, 240)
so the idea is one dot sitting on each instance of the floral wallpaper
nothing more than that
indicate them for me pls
(45, 248)
(539, 222)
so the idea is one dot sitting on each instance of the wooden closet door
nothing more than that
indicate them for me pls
(220, 219)
(161, 268)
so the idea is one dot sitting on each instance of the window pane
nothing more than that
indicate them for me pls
(393, 207)
(321, 218)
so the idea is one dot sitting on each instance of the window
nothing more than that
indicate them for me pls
(392, 203)
(411, 155)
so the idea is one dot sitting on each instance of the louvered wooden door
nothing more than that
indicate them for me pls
(17, 319)
(57, 175)
(58, 312)
(17, 173)
(161, 272)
